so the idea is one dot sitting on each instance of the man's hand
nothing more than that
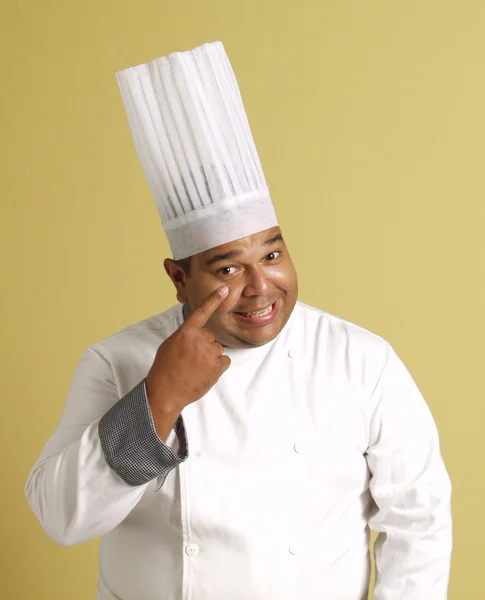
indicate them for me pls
(187, 365)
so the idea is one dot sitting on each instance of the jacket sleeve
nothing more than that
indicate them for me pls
(100, 460)
(411, 491)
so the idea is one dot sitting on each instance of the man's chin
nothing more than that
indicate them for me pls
(253, 337)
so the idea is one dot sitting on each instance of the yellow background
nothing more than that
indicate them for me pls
(369, 117)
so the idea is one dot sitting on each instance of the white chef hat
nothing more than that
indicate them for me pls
(194, 143)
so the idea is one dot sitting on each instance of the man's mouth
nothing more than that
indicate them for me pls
(259, 317)
(258, 313)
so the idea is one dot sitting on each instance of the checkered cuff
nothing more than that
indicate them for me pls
(130, 442)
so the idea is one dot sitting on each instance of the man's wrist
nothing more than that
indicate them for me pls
(164, 417)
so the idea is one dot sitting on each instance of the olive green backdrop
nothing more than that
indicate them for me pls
(369, 119)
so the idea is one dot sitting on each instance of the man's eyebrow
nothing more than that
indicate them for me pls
(234, 253)
(276, 238)
(226, 256)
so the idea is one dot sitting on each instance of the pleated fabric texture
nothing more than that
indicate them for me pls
(196, 149)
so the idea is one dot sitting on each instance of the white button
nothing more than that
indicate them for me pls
(293, 549)
(292, 353)
(198, 454)
(299, 448)
(192, 550)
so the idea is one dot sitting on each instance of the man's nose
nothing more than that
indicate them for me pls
(256, 283)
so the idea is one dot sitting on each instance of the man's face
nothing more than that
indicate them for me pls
(261, 279)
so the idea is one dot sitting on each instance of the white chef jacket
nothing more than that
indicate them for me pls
(301, 446)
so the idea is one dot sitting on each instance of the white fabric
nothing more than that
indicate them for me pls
(275, 497)
(194, 143)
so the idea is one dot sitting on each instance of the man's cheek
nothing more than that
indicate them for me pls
(284, 278)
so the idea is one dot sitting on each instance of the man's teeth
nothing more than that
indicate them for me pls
(260, 313)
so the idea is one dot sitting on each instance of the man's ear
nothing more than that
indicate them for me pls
(178, 277)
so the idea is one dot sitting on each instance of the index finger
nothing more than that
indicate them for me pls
(203, 313)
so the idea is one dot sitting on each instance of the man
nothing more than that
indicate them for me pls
(241, 444)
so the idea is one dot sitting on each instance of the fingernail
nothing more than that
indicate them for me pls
(223, 291)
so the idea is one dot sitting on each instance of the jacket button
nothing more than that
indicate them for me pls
(293, 549)
(298, 448)
(292, 353)
(192, 550)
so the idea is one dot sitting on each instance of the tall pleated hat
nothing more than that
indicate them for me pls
(195, 146)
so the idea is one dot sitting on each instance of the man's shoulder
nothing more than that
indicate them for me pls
(331, 329)
(149, 331)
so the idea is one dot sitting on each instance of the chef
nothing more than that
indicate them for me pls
(240, 445)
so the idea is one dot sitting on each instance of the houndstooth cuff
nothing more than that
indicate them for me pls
(130, 442)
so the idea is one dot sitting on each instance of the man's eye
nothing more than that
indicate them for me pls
(227, 270)
(272, 255)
